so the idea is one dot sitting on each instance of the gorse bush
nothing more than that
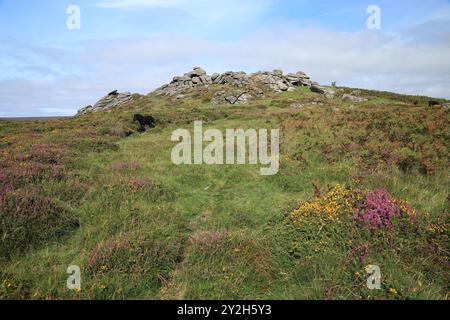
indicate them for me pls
(372, 209)
(348, 218)
(327, 208)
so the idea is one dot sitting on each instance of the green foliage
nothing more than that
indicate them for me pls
(91, 191)
(28, 220)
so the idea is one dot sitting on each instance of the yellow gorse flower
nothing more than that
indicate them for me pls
(392, 290)
(326, 208)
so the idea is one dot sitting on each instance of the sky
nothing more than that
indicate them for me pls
(49, 68)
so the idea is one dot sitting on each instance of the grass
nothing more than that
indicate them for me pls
(142, 228)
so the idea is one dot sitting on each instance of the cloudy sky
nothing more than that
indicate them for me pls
(49, 69)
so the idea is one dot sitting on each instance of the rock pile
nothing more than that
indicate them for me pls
(196, 78)
(239, 88)
(113, 99)
(275, 81)
(353, 98)
(327, 92)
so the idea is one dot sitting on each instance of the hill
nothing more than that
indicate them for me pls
(363, 181)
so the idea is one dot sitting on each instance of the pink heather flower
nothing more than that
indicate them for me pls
(2, 175)
(377, 210)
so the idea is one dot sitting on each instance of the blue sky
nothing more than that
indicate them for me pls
(137, 45)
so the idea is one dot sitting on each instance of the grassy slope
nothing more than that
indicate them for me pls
(221, 231)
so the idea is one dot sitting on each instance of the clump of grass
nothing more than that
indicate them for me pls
(125, 166)
(29, 220)
(129, 256)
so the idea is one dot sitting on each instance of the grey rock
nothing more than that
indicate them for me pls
(352, 98)
(198, 72)
(277, 72)
(84, 110)
(206, 79)
(214, 76)
(112, 100)
(232, 97)
(327, 92)
(296, 106)
(274, 81)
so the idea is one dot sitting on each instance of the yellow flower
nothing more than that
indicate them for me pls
(392, 290)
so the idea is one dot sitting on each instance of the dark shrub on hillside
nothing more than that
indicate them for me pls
(28, 220)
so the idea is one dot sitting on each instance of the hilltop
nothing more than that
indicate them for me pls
(363, 181)
(240, 88)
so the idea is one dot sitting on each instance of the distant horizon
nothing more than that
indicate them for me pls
(34, 118)
(59, 56)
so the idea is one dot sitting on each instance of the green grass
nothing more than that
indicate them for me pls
(222, 232)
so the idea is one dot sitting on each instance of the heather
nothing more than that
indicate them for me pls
(359, 184)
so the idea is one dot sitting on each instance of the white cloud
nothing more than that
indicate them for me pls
(208, 11)
(88, 70)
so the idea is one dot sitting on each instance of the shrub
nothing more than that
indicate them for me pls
(354, 222)
(377, 210)
(327, 208)
(128, 254)
(28, 219)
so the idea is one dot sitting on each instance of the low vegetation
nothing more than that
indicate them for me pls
(359, 184)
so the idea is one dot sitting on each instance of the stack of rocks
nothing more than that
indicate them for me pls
(278, 82)
(196, 78)
(238, 79)
(240, 87)
(275, 81)
(327, 92)
(113, 99)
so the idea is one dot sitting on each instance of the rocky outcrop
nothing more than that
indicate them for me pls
(327, 92)
(275, 81)
(353, 98)
(113, 99)
(239, 87)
